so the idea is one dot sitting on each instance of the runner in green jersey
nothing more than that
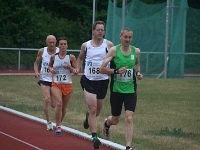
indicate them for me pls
(124, 65)
(123, 83)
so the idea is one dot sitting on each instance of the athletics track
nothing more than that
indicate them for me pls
(19, 131)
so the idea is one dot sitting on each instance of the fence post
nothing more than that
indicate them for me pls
(19, 58)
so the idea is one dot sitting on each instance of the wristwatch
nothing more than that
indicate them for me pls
(116, 71)
(137, 73)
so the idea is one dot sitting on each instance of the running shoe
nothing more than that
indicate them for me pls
(131, 149)
(58, 130)
(49, 126)
(85, 123)
(96, 142)
(106, 131)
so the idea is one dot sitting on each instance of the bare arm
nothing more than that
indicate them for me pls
(51, 62)
(104, 70)
(37, 62)
(80, 57)
(109, 44)
(74, 64)
(137, 66)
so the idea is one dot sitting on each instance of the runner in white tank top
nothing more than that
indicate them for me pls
(61, 66)
(93, 83)
(94, 59)
(45, 76)
(62, 75)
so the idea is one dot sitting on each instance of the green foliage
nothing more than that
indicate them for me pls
(26, 23)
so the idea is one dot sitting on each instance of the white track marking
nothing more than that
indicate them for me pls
(20, 140)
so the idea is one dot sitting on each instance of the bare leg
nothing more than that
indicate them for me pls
(47, 99)
(113, 120)
(91, 102)
(65, 101)
(57, 95)
(129, 127)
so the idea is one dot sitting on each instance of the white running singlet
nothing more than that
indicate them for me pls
(45, 74)
(63, 75)
(93, 61)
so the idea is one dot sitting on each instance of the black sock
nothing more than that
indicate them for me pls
(94, 134)
(128, 147)
(106, 124)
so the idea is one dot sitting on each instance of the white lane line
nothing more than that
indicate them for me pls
(20, 140)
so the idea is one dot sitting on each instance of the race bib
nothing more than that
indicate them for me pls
(44, 69)
(125, 77)
(62, 76)
(93, 68)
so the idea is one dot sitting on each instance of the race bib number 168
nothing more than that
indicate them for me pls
(93, 68)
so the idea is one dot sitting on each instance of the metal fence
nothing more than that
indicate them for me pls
(145, 65)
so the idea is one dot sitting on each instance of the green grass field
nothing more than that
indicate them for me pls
(167, 115)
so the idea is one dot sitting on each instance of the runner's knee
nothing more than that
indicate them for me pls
(47, 100)
(129, 119)
(115, 121)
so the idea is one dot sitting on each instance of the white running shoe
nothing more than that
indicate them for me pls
(49, 126)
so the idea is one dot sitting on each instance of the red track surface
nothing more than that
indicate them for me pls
(17, 133)
(17, 72)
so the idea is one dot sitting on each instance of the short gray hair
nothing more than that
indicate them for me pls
(50, 36)
(125, 29)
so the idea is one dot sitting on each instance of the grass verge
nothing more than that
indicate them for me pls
(166, 117)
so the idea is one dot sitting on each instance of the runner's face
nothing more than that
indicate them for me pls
(51, 43)
(63, 45)
(99, 31)
(126, 38)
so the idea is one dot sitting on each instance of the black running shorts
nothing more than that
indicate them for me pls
(45, 83)
(95, 87)
(118, 99)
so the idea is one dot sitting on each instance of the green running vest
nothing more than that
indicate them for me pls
(124, 83)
